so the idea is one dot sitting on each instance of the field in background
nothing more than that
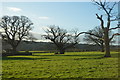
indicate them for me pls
(68, 65)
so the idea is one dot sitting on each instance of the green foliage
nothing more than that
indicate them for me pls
(68, 65)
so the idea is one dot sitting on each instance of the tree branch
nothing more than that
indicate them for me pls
(88, 33)
(101, 20)
(114, 28)
(110, 9)
(116, 34)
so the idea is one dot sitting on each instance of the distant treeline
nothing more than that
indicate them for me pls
(48, 46)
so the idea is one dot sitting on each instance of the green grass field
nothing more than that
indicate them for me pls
(68, 65)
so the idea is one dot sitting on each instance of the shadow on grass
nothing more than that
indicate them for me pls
(88, 58)
(71, 55)
(76, 78)
(98, 56)
(21, 58)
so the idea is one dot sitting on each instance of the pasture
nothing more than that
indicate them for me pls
(68, 65)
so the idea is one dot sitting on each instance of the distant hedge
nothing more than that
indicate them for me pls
(18, 53)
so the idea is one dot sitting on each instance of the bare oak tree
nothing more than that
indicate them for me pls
(16, 29)
(61, 38)
(108, 9)
(95, 39)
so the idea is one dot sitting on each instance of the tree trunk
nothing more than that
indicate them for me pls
(107, 45)
(14, 49)
(102, 48)
(62, 51)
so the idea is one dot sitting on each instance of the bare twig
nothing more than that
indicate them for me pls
(114, 28)
(116, 34)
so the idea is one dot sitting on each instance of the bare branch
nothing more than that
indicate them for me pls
(102, 22)
(105, 6)
(114, 28)
(110, 9)
(116, 34)
(88, 33)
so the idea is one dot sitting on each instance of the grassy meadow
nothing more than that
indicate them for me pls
(68, 65)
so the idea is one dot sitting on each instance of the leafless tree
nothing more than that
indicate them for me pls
(98, 39)
(16, 29)
(61, 38)
(95, 40)
(108, 8)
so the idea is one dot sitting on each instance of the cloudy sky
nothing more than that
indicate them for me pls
(67, 15)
